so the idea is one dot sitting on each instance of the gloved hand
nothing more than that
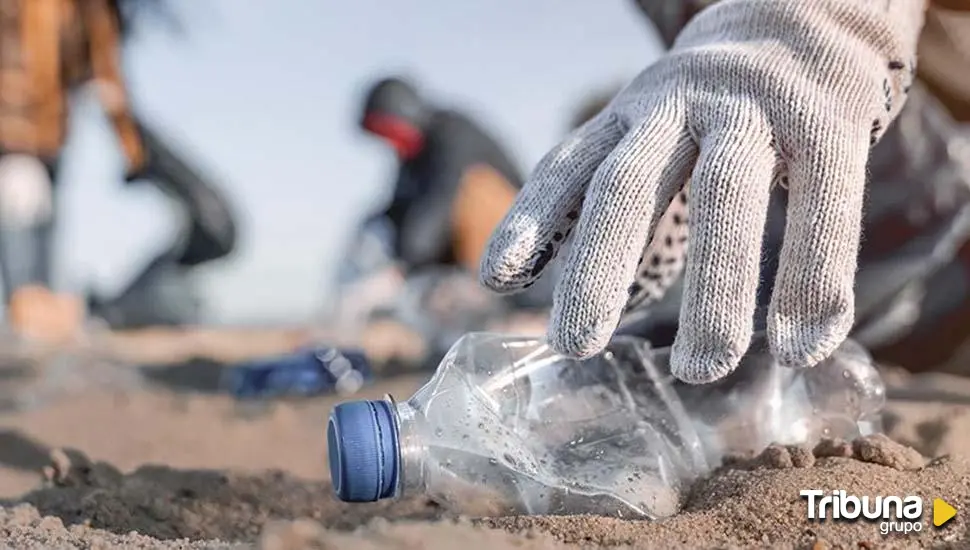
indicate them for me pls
(753, 92)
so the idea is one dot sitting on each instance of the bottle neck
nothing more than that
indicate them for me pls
(412, 449)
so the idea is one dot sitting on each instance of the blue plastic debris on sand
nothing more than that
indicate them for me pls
(310, 372)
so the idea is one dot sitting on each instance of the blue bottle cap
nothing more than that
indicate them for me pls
(362, 448)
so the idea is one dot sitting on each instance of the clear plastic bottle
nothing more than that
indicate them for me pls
(507, 426)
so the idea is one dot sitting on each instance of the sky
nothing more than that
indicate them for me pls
(265, 96)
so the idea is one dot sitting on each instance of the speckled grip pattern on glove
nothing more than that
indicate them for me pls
(664, 258)
(753, 92)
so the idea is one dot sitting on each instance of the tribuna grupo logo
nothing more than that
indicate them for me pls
(894, 514)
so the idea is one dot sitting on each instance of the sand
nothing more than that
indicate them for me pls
(170, 464)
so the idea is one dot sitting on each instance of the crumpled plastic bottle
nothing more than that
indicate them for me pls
(507, 426)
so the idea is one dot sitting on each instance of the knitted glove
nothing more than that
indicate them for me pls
(752, 93)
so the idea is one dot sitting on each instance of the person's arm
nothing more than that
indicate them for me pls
(482, 199)
(468, 197)
(105, 51)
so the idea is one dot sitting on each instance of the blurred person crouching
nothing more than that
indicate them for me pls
(48, 50)
(454, 181)
(913, 282)
(454, 184)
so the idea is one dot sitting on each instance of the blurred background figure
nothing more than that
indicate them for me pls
(163, 291)
(49, 49)
(454, 183)
(421, 251)
(913, 283)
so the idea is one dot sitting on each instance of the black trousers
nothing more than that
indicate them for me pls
(163, 293)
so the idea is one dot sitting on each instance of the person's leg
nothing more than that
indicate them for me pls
(160, 294)
(26, 222)
(210, 230)
(163, 292)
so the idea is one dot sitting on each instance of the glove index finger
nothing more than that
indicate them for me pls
(547, 207)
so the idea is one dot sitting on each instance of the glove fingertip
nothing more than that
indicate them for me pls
(501, 282)
(514, 260)
(503, 270)
(700, 364)
(806, 344)
(578, 346)
(569, 335)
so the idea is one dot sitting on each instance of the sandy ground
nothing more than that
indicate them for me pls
(169, 464)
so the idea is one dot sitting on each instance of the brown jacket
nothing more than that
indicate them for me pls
(47, 48)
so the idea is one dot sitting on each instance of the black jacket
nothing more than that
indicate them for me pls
(427, 186)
